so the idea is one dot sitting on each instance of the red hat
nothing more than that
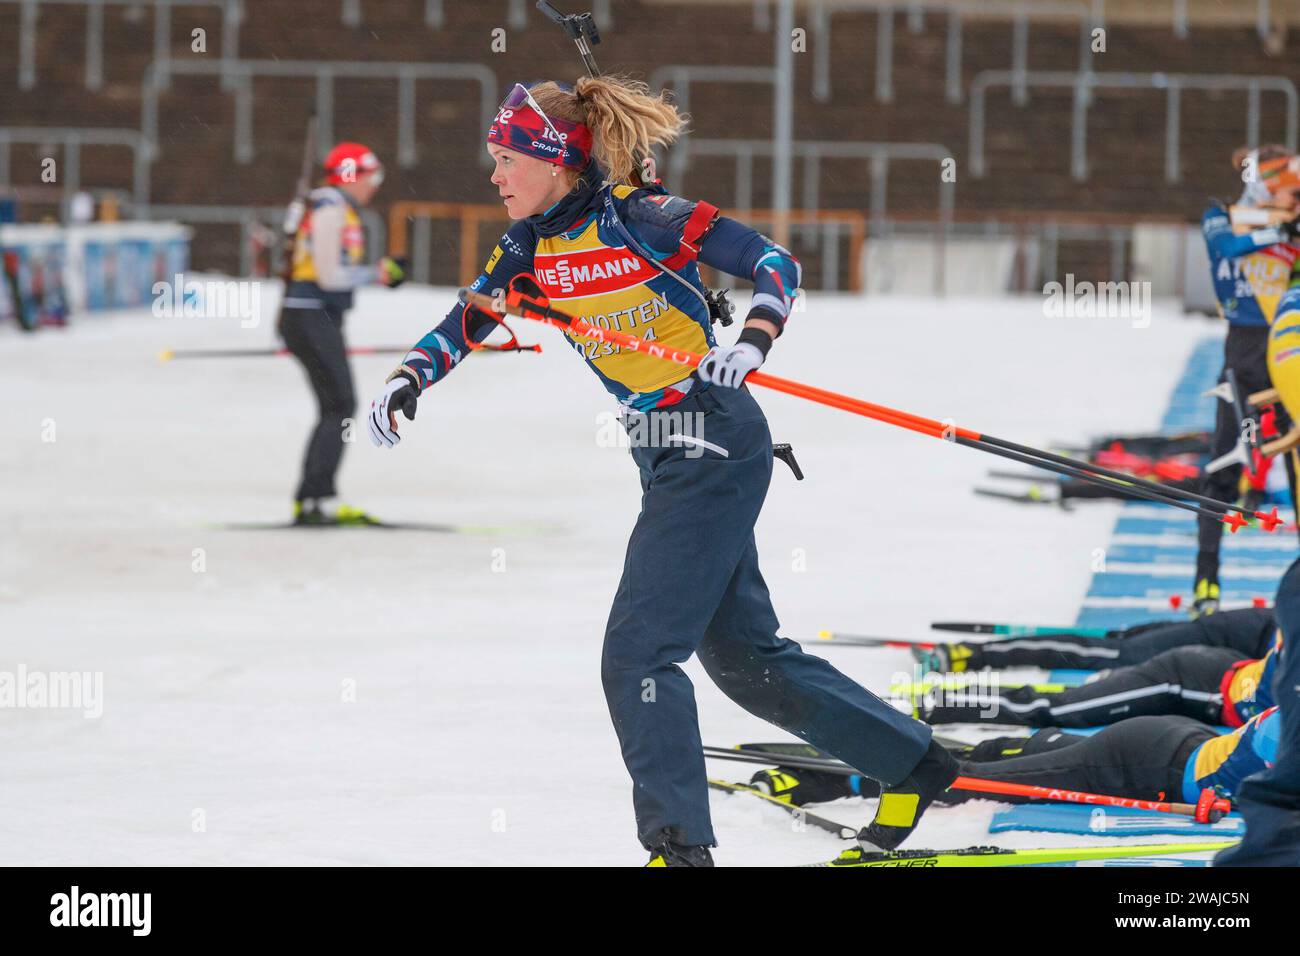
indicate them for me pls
(348, 161)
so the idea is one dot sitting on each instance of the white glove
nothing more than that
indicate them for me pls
(729, 366)
(399, 395)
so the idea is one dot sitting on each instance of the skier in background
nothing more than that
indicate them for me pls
(329, 262)
(1217, 685)
(564, 158)
(1252, 247)
(1249, 631)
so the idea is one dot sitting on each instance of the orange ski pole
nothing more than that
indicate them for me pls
(1208, 809)
(525, 298)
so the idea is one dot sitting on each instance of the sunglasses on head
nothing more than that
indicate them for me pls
(519, 97)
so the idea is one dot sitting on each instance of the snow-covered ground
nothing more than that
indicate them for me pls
(417, 698)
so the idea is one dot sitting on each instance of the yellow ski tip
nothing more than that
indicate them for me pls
(166, 355)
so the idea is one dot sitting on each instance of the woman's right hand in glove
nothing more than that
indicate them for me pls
(399, 395)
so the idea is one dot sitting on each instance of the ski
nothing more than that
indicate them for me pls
(795, 756)
(1034, 496)
(1021, 630)
(380, 526)
(794, 761)
(1182, 443)
(1005, 856)
(1038, 476)
(26, 318)
(799, 813)
(168, 355)
(865, 640)
(789, 747)
(793, 749)
(917, 689)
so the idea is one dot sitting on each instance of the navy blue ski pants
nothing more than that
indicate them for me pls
(1270, 799)
(691, 585)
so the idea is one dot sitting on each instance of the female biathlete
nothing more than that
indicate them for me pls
(1248, 631)
(691, 584)
(329, 262)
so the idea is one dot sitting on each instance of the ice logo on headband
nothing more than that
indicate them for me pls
(547, 143)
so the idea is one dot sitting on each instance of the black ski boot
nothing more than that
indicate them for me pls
(797, 787)
(324, 512)
(1206, 599)
(902, 805)
(663, 852)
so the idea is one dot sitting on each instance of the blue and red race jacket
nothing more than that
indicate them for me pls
(1223, 762)
(591, 253)
(1249, 264)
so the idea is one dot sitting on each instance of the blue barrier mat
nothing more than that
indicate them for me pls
(1089, 731)
(1135, 861)
(1109, 821)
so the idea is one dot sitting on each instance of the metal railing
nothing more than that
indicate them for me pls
(681, 77)
(1018, 13)
(1179, 18)
(324, 72)
(1083, 85)
(231, 17)
(353, 14)
(71, 139)
(812, 153)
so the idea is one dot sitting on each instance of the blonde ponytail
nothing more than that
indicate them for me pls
(625, 120)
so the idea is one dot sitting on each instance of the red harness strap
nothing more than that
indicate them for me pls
(1230, 716)
(697, 226)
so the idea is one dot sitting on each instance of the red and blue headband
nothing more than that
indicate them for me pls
(521, 125)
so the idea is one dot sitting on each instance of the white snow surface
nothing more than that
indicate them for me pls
(478, 732)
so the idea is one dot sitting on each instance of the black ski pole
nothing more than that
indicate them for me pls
(293, 214)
